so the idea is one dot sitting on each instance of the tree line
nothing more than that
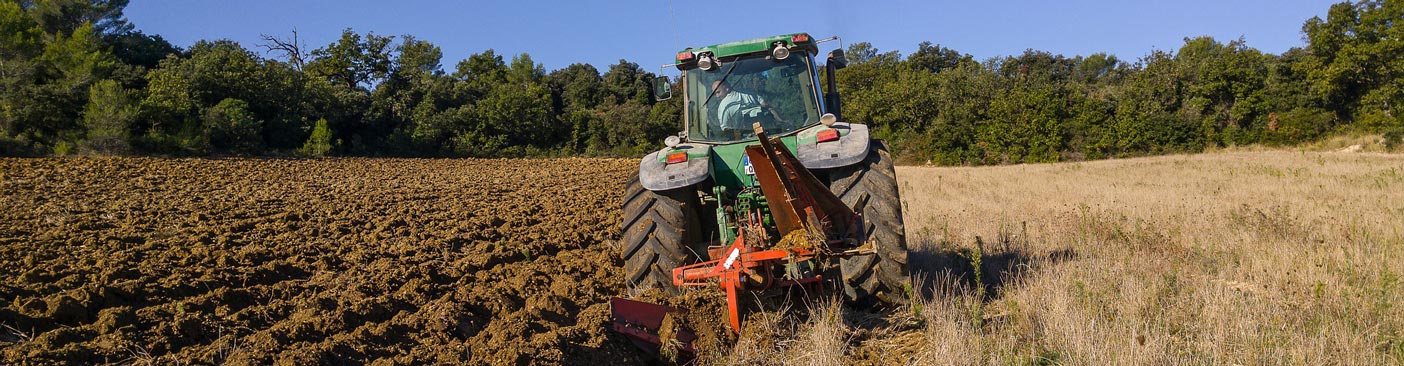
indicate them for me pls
(77, 78)
(941, 106)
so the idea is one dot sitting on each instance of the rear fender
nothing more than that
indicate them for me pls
(655, 174)
(849, 149)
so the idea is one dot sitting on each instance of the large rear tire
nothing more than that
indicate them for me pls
(661, 231)
(881, 277)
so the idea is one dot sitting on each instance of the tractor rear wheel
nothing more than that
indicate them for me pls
(661, 231)
(883, 276)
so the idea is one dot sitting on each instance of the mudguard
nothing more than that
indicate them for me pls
(656, 175)
(849, 149)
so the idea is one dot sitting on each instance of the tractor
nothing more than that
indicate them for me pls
(766, 187)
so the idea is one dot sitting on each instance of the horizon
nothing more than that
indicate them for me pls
(901, 26)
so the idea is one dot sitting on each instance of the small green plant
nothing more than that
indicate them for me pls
(1393, 139)
(918, 308)
(1388, 282)
(320, 142)
(976, 255)
(63, 148)
(1046, 357)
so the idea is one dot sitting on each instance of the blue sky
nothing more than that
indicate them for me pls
(557, 34)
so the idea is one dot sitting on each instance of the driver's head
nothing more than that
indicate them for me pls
(720, 88)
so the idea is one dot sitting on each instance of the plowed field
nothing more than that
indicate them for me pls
(302, 262)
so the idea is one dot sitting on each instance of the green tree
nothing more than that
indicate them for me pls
(319, 143)
(935, 58)
(1025, 124)
(576, 91)
(230, 127)
(481, 72)
(64, 16)
(578, 86)
(1147, 116)
(624, 128)
(21, 42)
(627, 81)
(139, 49)
(1099, 67)
(354, 61)
(864, 52)
(50, 90)
(1355, 63)
(520, 108)
(1223, 88)
(108, 118)
(414, 58)
(181, 89)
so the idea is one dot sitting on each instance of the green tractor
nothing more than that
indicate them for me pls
(692, 197)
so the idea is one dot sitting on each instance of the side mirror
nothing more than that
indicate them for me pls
(836, 58)
(831, 98)
(662, 88)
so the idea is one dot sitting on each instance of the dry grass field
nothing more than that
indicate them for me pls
(1267, 257)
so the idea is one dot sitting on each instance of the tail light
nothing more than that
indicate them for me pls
(799, 38)
(827, 135)
(677, 157)
(685, 56)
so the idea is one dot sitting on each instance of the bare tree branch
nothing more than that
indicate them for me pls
(290, 49)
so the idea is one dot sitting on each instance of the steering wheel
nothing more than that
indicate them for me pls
(771, 119)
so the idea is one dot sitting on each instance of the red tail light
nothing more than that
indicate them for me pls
(677, 157)
(686, 56)
(799, 38)
(827, 135)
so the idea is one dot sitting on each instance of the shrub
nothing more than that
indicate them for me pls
(1299, 125)
(320, 142)
(63, 148)
(232, 128)
(107, 117)
(1393, 139)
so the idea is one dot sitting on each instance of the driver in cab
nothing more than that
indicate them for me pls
(736, 110)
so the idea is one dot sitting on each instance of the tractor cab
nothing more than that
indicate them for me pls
(729, 87)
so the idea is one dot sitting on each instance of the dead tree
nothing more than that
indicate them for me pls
(290, 49)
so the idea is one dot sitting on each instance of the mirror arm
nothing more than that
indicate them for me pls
(834, 38)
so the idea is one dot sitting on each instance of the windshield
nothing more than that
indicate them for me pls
(724, 102)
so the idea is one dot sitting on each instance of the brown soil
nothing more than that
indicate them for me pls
(299, 262)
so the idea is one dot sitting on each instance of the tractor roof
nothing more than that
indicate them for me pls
(751, 45)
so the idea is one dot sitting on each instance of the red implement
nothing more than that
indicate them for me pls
(744, 268)
(641, 321)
